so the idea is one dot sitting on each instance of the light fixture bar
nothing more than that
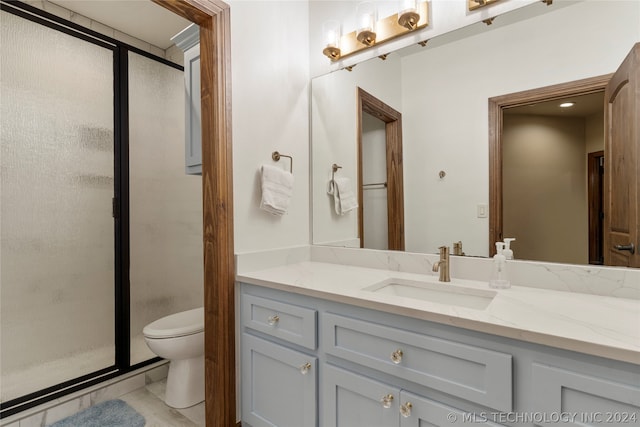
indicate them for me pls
(475, 4)
(386, 29)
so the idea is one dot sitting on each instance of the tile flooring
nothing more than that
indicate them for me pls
(142, 390)
(149, 402)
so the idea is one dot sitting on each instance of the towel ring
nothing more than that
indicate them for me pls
(276, 157)
(334, 169)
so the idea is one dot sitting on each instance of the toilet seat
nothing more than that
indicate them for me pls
(176, 325)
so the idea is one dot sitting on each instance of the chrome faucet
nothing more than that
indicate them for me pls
(443, 264)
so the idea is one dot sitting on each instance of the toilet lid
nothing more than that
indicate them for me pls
(176, 325)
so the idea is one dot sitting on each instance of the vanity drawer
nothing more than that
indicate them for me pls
(592, 399)
(472, 373)
(288, 322)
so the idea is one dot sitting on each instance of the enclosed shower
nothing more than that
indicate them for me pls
(101, 230)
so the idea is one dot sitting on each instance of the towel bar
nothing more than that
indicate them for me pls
(334, 169)
(276, 157)
(375, 184)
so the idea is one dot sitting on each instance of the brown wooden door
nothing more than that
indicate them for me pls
(622, 167)
(368, 103)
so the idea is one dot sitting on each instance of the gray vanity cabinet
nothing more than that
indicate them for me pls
(370, 368)
(279, 385)
(279, 366)
(189, 42)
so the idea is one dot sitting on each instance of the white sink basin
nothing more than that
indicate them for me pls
(438, 292)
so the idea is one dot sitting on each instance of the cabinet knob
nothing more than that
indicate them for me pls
(387, 401)
(304, 369)
(405, 410)
(396, 356)
(272, 320)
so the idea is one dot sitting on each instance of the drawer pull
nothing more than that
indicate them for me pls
(304, 369)
(396, 356)
(405, 410)
(387, 401)
(272, 320)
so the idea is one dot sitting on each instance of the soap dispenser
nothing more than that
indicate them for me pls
(499, 279)
(508, 252)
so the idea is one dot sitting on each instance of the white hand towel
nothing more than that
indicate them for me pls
(344, 199)
(277, 188)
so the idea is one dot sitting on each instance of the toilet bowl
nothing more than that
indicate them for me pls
(180, 339)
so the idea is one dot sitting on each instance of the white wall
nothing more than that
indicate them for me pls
(270, 78)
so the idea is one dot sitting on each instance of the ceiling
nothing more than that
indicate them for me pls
(141, 19)
(585, 105)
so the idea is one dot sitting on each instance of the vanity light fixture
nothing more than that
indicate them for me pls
(408, 15)
(366, 15)
(413, 15)
(567, 104)
(475, 4)
(331, 32)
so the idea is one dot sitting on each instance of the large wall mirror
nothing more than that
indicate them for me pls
(442, 92)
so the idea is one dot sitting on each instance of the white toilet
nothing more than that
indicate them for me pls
(180, 339)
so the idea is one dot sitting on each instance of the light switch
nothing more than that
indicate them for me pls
(482, 210)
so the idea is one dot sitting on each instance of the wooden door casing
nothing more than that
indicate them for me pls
(367, 103)
(497, 105)
(595, 190)
(213, 17)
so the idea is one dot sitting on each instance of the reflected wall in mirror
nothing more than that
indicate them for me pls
(442, 91)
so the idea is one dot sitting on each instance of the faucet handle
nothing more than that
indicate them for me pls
(444, 251)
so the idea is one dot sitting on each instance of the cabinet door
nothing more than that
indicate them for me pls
(279, 385)
(354, 400)
(417, 411)
(585, 399)
(193, 129)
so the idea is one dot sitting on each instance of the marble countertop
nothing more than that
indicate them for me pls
(591, 324)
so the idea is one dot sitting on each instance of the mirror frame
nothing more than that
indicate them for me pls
(213, 17)
(497, 105)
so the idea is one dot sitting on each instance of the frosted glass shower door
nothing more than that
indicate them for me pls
(167, 273)
(57, 231)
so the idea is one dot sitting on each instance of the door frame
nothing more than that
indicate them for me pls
(213, 17)
(368, 103)
(496, 110)
(595, 197)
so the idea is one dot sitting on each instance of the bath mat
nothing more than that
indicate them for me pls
(112, 413)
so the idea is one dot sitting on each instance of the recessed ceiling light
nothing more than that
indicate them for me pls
(567, 104)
